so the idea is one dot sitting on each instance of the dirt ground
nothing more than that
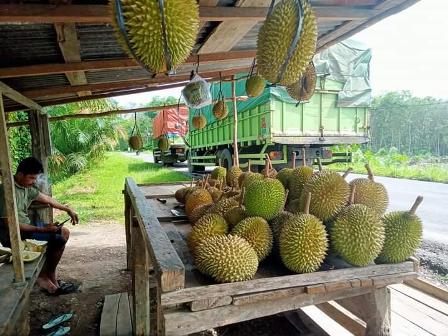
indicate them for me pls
(95, 258)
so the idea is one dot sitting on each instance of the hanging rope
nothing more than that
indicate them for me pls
(135, 128)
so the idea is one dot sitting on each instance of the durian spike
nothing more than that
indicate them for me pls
(352, 195)
(417, 202)
(306, 210)
(294, 156)
(243, 191)
(348, 171)
(286, 198)
(303, 157)
(369, 172)
(319, 163)
(266, 166)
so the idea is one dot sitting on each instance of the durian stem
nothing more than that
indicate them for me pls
(319, 163)
(192, 182)
(203, 182)
(307, 204)
(369, 172)
(266, 166)
(348, 171)
(243, 191)
(352, 195)
(248, 166)
(206, 180)
(303, 157)
(417, 202)
(294, 156)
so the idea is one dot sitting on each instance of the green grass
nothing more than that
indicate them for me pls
(96, 193)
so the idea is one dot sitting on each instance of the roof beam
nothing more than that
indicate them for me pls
(18, 97)
(124, 63)
(44, 13)
(71, 51)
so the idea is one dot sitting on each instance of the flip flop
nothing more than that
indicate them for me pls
(66, 288)
(57, 320)
(61, 331)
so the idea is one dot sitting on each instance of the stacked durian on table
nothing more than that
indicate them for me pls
(239, 219)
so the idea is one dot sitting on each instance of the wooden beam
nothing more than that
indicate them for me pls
(9, 193)
(117, 64)
(43, 13)
(71, 51)
(18, 97)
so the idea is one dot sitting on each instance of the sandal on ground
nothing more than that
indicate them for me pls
(57, 320)
(61, 331)
(65, 288)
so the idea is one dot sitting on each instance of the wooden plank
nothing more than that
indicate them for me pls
(71, 51)
(240, 300)
(108, 325)
(321, 324)
(11, 299)
(426, 299)
(429, 288)
(281, 282)
(10, 198)
(184, 322)
(127, 229)
(210, 303)
(166, 262)
(124, 325)
(344, 317)
(180, 246)
(18, 97)
(314, 289)
(402, 326)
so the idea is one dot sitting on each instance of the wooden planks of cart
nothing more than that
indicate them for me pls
(170, 297)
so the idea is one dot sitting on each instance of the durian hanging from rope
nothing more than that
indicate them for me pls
(287, 42)
(303, 89)
(220, 110)
(158, 34)
(135, 140)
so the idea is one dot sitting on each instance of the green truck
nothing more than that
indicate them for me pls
(277, 125)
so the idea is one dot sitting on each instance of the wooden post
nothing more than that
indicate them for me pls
(10, 198)
(235, 121)
(127, 226)
(140, 285)
(373, 308)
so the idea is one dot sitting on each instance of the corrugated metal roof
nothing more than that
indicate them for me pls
(35, 82)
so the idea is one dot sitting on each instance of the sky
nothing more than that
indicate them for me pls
(409, 52)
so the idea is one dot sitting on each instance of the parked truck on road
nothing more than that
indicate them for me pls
(277, 125)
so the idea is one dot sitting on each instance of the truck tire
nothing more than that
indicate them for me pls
(226, 159)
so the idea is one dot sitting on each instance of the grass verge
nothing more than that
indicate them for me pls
(96, 193)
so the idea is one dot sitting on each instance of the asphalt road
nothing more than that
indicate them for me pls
(402, 194)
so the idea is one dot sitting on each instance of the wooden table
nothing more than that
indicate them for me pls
(170, 297)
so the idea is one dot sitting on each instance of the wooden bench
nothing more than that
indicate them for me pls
(116, 316)
(14, 297)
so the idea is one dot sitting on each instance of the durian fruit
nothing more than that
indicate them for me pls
(277, 223)
(257, 232)
(284, 175)
(299, 176)
(303, 89)
(233, 175)
(135, 142)
(249, 178)
(219, 173)
(371, 193)
(264, 198)
(231, 194)
(216, 193)
(357, 234)
(276, 36)
(404, 231)
(226, 258)
(330, 194)
(197, 198)
(207, 226)
(199, 121)
(223, 205)
(181, 193)
(220, 110)
(255, 86)
(198, 212)
(143, 24)
(235, 215)
(294, 206)
(163, 144)
(303, 241)
(269, 171)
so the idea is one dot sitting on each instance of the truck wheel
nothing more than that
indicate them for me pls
(226, 159)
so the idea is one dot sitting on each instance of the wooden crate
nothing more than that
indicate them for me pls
(179, 300)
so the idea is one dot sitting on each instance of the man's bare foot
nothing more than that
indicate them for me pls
(46, 284)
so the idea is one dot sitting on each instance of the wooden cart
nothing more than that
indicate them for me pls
(169, 297)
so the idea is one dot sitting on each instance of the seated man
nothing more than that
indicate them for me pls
(26, 192)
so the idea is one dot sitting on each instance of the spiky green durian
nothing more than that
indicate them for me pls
(404, 231)
(199, 121)
(357, 234)
(233, 175)
(227, 258)
(235, 215)
(304, 88)
(294, 206)
(197, 198)
(198, 212)
(223, 205)
(257, 232)
(264, 198)
(370, 193)
(207, 226)
(303, 243)
(220, 110)
(135, 142)
(284, 175)
(275, 38)
(248, 178)
(181, 193)
(219, 173)
(329, 192)
(163, 144)
(143, 24)
(277, 223)
(255, 86)
(299, 176)
(216, 193)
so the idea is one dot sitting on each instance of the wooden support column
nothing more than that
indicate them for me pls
(10, 198)
(373, 308)
(70, 48)
(235, 123)
(127, 226)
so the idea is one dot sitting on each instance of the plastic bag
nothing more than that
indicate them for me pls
(196, 94)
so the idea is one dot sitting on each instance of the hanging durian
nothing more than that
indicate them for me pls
(303, 89)
(199, 121)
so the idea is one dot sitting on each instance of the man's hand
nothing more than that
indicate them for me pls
(49, 229)
(74, 216)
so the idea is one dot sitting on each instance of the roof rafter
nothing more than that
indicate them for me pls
(18, 97)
